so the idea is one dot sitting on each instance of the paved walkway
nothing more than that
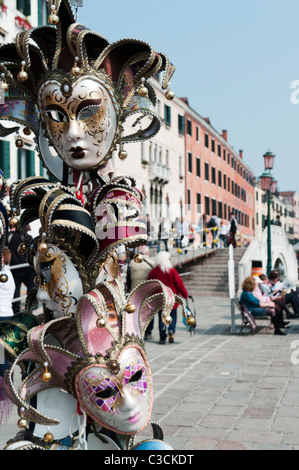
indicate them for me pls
(217, 390)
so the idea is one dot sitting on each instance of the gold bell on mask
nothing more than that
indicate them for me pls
(76, 69)
(53, 17)
(167, 320)
(3, 278)
(169, 95)
(46, 375)
(22, 422)
(22, 249)
(122, 154)
(143, 91)
(23, 75)
(130, 308)
(138, 258)
(19, 143)
(43, 246)
(13, 221)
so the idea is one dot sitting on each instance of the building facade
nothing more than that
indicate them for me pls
(291, 199)
(218, 181)
(158, 165)
(17, 16)
(281, 207)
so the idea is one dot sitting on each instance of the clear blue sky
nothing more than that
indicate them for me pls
(235, 61)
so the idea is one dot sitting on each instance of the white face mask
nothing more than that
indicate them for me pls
(121, 402)
(81, 126)
(60, 286)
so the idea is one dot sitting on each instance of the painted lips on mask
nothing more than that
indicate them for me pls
(77, 152)
(134, 419)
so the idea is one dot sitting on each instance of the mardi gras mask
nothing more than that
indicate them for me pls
(80, 118)
(76, 91)
(60, 285)
(119, 400)
(101, 360)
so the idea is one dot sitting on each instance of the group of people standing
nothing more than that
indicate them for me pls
(225, 233)
(183, 234)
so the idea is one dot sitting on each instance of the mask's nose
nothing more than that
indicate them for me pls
(74, 131)
(127, 401)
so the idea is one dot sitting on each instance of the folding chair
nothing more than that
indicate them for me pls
(248, 320)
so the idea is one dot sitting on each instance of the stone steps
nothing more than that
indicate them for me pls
(210, 277)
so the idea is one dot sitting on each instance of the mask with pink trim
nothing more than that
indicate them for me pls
(101, 359)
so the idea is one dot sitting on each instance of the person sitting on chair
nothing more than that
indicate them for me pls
(266, 288)
(256, 307)
(278, 288)
(279, 305)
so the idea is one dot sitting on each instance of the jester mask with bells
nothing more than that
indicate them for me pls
(100, 360)
(65, 254)
(77, 92)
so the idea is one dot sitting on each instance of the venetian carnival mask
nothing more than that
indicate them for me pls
(101, 358)
(60, 285)
(80, 118)
(119, 400)
(79, 93)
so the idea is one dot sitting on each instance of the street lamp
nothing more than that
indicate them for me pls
(273, 187)
(269, 160)
(269, 185)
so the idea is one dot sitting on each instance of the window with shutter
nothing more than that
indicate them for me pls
(5, 157)
(24, 6)
(30, 163)
(26, 163)
(167, 115)
(181, 124)
(190, 162)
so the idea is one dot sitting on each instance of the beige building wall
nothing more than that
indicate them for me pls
(279, 206)
(13, 21)
(158, 165)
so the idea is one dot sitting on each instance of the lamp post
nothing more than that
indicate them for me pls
(268, 184)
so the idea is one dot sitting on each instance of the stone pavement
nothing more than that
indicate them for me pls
(217, 390)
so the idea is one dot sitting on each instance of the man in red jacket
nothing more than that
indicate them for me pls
(168, 275)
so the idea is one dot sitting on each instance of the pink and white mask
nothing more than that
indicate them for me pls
(118, 400)
(81, 120)
(101, 360)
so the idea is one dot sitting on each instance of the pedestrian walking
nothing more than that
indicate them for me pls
(163, 234)
(214, 225)
(168, 275)
(182, 229)
(223, 232)
(232, 230)
(24, 275)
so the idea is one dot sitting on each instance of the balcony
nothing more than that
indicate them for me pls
(159, 173)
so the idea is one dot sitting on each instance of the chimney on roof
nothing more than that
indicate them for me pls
(241, 153)
(185, 100)
(224, 135)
